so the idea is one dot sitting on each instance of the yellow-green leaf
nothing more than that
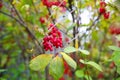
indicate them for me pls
(115, 48)
(56, 68)
(84, 52)
(40, 62)
(69, 49)
(95, 65)
(69, 60)
(79, 73)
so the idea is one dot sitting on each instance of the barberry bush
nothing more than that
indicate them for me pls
(59, 40)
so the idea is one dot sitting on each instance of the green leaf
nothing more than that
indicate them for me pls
(114, 48)
(95, 65)
(84, 52)
(69, 49)
(116, 57)
(2, 70)
(82, 61)
(40, 62)
(69, 60)
(118, 78)
(79, 73)
(88, 77)
(56, 68)
(118, 69)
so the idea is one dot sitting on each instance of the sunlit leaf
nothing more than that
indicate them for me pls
(95, 65)
(115, 48)
(56, 68)
(69, 49)
(84, 52)
(69, 60)
(116, 58)
(40, 62)
(79, 73)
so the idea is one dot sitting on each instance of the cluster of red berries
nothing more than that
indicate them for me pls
(50, 4)
(114, 30)
(102, 10)
(1, 5)
(53, 39)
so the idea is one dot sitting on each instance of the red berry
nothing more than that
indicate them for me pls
(112, 30)
(112, 65)
(100, 75)
(102, 4)
(82, 65)
(50, 4)
(1, 5)
(45, 2)
(66, 68)
(51, 26)
(70, 73)
(66, 39)
(42, 20)
(117, 30)
(106, 15)
(64, 3)
(57, 3)
(62, 78)
(102, 10)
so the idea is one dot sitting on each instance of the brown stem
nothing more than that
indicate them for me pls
(74, 32)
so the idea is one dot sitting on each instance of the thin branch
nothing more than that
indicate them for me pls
(19, 16)
(91, 25)
(11, 17)
(26, 28)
